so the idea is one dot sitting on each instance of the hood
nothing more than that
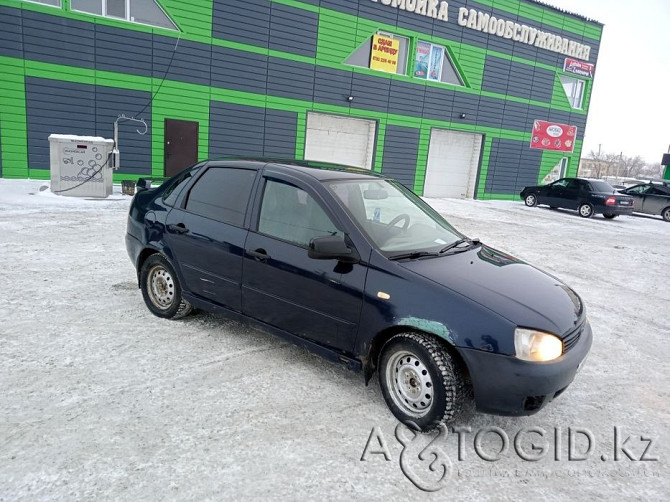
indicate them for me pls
(521, 293)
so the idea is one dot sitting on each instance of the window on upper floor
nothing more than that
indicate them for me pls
(136, 11)
(574, 89)
(384, 52)
(432, 62)
(54, 3)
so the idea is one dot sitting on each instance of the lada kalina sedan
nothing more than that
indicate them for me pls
(357, 268)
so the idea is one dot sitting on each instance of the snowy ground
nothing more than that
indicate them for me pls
(101, 399)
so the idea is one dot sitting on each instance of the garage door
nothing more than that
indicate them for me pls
(453, 159)
(341, 140)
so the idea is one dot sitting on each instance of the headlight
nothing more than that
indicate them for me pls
(537, 346)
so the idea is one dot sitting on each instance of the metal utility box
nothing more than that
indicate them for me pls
(79, 165)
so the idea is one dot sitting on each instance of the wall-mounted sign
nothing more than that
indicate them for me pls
(384, 55)
(488, 23)
(430, 8)
(578, 67)
(555, 137)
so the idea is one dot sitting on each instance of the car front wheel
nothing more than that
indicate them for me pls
(421, 381)
(586, 210)
(530, 200)
(666, 214)
(161, 289)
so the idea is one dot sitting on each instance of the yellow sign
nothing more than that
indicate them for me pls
(384, 55)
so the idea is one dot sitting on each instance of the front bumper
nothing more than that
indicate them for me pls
(505, 385)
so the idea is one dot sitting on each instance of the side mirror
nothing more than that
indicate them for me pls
(143, 184)
(332, 247)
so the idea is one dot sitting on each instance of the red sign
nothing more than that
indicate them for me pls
(556, 137)
(578, 67)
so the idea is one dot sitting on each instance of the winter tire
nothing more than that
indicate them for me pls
(666, 214)
(530, 200)
(585, 210)
(161, 289)
(421, 381)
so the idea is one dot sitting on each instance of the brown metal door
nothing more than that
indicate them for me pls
(181, 145)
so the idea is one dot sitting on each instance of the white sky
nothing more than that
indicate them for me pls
(630, 107)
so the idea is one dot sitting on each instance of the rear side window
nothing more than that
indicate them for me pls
(172, 192)
(222, 194)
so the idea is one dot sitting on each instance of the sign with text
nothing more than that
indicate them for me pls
(384, 54)
(578, 67)
(555, 137)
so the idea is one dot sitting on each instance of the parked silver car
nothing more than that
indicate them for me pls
(651, 198)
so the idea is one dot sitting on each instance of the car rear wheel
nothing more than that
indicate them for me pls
(421, 381)
(666, 214)
(530, 200)
(609, 216)
(161, 289)
(586, 210)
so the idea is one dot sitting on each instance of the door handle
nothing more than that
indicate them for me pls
(179, 228)
(259, 254)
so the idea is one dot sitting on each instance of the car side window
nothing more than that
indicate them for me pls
(291, 214)
(172, 192)
(574, 185)
(641, 189)
(561, 183)
(222, 194)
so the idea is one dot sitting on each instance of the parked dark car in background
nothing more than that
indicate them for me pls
(651, 198)
(356, 267)
(588, 197)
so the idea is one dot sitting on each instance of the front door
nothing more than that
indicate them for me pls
(319, 300)
(181, 145)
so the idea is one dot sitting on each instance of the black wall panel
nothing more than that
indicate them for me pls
(293, 30)
(512, 166)
(11, 32)
(401, 148)
(247, 130)
(56, 107)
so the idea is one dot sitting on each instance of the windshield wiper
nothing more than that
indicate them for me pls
(453, 245)
(413, 255)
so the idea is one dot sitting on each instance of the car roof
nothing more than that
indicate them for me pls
(320, 170)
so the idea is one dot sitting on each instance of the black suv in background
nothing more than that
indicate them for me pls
(651, 198)
(588, 197)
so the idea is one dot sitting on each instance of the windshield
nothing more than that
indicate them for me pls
(396, 220)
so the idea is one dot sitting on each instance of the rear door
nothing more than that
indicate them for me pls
(319, 300)
(206, 234)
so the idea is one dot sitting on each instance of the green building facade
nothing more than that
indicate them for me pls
(455, 99)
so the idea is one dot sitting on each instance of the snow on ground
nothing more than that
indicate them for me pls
(102, 399)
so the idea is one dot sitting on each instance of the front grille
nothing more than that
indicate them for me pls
(572, 338)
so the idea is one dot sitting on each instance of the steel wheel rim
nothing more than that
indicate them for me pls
(161, 287)
(410, 384)
(585, 210)
(530, 200)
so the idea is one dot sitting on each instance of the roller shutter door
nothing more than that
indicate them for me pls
(453, 160)
(341, 140)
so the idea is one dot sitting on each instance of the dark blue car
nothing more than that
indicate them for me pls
(354, 266)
